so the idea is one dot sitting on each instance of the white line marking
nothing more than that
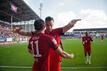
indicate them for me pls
(28, 67)
(84, 67)
(19, 67)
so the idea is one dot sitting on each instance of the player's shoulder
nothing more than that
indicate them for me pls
(58, 31)
(34, 36)
(46, 36)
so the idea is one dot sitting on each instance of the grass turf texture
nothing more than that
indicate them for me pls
(17, 55)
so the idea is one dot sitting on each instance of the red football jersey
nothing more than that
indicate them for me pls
(86, 40)
(56, 33)
(87, 44)
(40, 45)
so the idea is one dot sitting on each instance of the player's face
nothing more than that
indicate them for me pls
(49, 25)
(86, 33)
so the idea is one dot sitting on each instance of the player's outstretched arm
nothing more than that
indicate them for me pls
(70, 25)
(64, 54)
(21, 32)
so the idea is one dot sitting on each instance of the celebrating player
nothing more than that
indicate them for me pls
(40, 45)
(56, 33)
(86, 40)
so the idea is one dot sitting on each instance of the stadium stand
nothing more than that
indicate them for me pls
(14, 11)
(91, 30)
(23, 13)
(94, 32)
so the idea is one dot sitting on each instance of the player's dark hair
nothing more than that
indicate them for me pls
(48, 18)
(39, 24)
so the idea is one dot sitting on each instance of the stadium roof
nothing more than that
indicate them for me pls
(17, 9)
(92, 29)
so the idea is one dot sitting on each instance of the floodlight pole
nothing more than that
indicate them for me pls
(11, 21)
(25, 25)
(41, 5)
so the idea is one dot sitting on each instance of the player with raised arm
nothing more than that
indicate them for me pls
(40, 45)
(56, 33)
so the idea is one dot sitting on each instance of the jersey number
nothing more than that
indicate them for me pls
(37, 49)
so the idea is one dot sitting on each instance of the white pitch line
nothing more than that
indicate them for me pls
(19, 67)
(28, 67)
(84, 67)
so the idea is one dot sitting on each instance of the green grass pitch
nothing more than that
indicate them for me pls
(18, 56)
